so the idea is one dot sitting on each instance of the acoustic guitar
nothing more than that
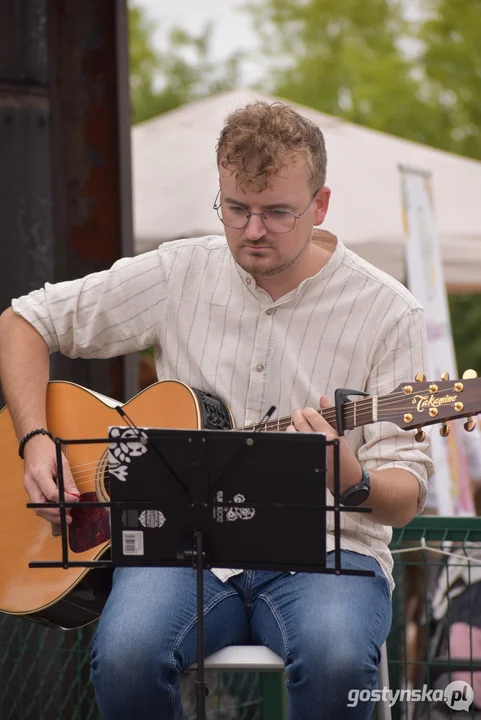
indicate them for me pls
(73, 597)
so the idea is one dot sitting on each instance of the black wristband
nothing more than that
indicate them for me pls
(29, 436)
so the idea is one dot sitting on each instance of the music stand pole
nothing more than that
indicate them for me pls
(198, 556)
(200, 685)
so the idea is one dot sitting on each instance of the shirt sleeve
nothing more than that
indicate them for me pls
(109, 313)
(399, 357)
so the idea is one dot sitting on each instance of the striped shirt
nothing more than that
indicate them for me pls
(349, 326)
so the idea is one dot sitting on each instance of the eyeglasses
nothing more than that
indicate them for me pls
(277, 221)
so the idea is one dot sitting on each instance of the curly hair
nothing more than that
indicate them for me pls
(258, 138)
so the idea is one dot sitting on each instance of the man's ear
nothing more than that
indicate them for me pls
(322, 205)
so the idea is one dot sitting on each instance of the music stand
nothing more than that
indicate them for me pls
(246, 500)
(207, 498)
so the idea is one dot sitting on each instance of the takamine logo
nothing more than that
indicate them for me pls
(429, 401)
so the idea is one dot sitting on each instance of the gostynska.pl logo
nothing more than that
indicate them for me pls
(458, 695)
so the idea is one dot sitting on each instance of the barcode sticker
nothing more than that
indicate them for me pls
(133, 542)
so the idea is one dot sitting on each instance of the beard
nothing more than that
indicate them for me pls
(257, 267)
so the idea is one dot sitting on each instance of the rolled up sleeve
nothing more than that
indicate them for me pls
(400, 356)
(102, 315)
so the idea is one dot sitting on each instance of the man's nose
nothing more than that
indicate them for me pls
(255, 228)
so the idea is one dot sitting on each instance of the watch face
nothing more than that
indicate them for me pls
(357, 497)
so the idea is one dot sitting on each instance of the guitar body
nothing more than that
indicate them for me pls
(74, 597)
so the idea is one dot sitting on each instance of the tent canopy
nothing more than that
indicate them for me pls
(175, 181)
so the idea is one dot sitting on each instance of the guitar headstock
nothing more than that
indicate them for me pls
(413, 405)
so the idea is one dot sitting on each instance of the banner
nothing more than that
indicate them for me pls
(450, 489)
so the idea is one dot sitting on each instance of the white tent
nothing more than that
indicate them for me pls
(175, 181)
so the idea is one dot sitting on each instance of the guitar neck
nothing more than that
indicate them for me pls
(355, 414)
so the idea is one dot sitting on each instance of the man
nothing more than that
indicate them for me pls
(264, 316)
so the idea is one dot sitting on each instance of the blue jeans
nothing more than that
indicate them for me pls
(328, 629)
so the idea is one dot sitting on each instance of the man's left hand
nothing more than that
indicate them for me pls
(309, 420)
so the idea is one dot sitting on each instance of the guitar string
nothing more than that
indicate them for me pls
(354, 410)
(87, 476)
(90, 470)
(350, 413)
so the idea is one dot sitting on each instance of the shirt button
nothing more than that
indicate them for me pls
(260, 367)
(248, 281)
(270, 311)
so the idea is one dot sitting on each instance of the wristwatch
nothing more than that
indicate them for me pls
(357, 494)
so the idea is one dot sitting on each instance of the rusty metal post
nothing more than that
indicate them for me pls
(65, 210)
(26, 239)
(65, 201)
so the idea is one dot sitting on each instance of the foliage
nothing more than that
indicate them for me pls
(345, 59)
(367, 62)
(465, 311)
(451, 59)
(183, 72)
(418, 78)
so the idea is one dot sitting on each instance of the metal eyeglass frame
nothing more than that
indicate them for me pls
(249, 214)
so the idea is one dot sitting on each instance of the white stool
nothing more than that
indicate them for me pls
(261, 659)
(244, 657)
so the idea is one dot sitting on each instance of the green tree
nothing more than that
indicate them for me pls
(451, 58)
(144, 64)
(346, 59)
(451, 63)
(181, 73)
(465, 312)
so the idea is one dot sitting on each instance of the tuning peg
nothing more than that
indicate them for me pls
(445, 376)
(444, 430)
(469, 374)
(470, 424)
(420, 435)
(420, 377)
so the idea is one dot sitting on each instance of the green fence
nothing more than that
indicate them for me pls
(436, 633)
(44, 674)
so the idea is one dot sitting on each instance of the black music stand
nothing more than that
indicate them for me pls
(208, 498)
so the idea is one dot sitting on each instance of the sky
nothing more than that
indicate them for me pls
(233, 29)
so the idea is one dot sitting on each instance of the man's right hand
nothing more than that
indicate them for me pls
(40, 478)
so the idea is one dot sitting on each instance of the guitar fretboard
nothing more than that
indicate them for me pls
(355, 414)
